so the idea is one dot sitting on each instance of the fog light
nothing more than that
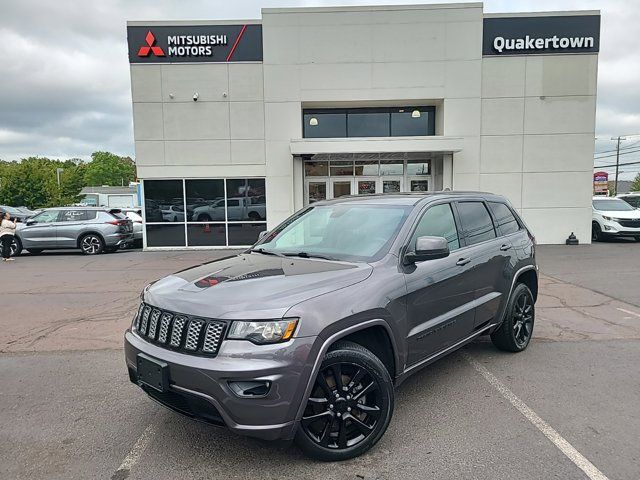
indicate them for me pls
(607, 227)
(250, 388)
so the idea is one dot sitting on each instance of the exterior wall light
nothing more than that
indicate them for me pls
(313, 121)
(415, 114)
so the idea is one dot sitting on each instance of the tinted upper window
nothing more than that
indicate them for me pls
(475, 222)
(505, 219)
(438, 221)
(368, 122)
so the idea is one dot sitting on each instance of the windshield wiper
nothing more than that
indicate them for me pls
(265, 252)
(309, 255)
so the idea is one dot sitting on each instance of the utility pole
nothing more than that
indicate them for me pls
(617, 160)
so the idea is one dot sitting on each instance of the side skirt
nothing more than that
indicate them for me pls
(436, 356)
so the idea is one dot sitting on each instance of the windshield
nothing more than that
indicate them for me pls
(613, 205)
(12, 211)
(348, 231)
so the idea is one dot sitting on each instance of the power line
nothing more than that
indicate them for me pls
(620, 164)
(621, 153)
(626, 147)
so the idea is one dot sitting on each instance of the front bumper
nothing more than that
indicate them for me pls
(198, 386)
(616, 229)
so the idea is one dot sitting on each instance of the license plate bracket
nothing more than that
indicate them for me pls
(152, 373)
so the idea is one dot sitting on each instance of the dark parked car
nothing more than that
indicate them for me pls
(16, 213)
(306, 334)
(91, 229)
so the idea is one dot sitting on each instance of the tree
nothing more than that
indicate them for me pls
(635, 185)
(31, 182)
(109, 169)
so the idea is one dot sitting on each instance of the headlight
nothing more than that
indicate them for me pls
(606, 218)
(270, 331)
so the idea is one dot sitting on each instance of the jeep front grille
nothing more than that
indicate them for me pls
(194, 335)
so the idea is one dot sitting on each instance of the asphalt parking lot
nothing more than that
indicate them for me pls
(68, 411)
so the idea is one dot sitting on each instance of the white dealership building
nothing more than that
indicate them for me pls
(240, 123)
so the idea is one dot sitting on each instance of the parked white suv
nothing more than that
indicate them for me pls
(614, 217)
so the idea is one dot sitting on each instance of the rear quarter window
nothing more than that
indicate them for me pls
(505, 219)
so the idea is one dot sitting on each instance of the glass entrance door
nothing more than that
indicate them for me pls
(315, 190)
(341, 187)
(367, 185)
(392, 184)
(418, 184)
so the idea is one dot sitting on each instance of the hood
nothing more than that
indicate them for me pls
(626, 214)
(251, 286)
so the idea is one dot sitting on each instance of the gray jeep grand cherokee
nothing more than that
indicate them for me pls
(306, 334)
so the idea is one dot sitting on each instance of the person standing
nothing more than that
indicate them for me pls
(7, 231)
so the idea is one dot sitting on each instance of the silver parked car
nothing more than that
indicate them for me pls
(135, 215)
(92, 230)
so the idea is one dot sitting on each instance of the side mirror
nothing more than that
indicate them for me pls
(262, 234)
(428, 248)
(31, 222)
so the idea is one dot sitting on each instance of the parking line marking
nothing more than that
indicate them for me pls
(563, 445)
(628, 311)
(136, 452)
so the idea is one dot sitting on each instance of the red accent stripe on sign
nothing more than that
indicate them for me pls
(235, 44)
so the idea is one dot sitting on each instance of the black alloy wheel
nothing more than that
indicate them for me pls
(516, 330)
(350, 405)
(596, 232)
(16, 247)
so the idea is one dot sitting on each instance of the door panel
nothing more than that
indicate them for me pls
(440, 306)
(489, 264)
(69, 225)
(440, 293)
(42, 232)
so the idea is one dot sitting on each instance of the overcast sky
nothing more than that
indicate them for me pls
(64, 77)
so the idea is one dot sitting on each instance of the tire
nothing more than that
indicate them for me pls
(329, 431)
(91, 244)
(34, 251)
(255, 216)
(516, 330)
(637, 238)
(16, 247)
(204, 217)
(596, 232)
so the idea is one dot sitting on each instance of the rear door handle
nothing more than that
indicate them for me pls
(504, 247)
(463, 261)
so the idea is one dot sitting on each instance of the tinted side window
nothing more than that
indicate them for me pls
(438, 221)
(633, 201)
(476, 222)
(507, 223)
(72, 215)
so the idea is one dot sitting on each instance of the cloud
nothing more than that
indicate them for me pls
(64, 84)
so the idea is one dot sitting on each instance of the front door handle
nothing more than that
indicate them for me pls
(463, 261)
(504, 247)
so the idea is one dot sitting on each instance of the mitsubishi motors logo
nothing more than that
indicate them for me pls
(150, 47)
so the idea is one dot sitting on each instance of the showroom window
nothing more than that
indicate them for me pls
(369, 122)
(213, 212)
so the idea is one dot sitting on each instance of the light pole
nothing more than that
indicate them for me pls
(58, 172)
(618, 138)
